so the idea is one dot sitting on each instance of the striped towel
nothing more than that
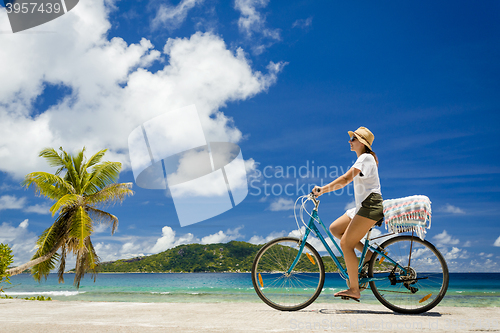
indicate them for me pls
(408, 214)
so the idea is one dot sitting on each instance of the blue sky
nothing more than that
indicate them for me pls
(285, 80)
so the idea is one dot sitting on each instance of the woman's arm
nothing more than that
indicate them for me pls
(338, 183)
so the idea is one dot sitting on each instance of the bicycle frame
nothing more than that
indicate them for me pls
(342, 271)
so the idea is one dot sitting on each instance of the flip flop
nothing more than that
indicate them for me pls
(347, 297)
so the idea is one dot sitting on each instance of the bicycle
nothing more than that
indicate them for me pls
(406, 274)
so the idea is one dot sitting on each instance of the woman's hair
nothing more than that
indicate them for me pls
(369, 151)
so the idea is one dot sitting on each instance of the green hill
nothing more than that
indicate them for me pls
(229, 257)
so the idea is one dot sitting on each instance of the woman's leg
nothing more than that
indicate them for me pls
(358, 227)
(338, 228)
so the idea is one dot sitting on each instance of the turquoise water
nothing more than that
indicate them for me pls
(465, 289)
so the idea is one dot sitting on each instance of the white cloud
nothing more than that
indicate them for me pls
(20, 239)
(250, 19)
(24, 224)
(452, 209)
(315, 242)
(168, 240)
(497, 242)
(111, 91)
(221, 237)
(39, 209)
(134, 246)
(8, 187)
(252, 22)
(256, 239)
(172, 17)
(281, 204)
(474, 265)
(101, 228)
(11, 202)
(455, 253)
(107, 252)
(302, 23)
(131, 250)
(444, 239)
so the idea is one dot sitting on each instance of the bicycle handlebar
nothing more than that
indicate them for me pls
(312, 197)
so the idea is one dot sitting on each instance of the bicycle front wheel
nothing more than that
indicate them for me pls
(283, 290)
(423, 285)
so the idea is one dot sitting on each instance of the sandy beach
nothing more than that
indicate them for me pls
(55, 316)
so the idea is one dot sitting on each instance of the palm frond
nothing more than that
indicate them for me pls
(78, 160)
(80, 229)
(72, 245)
(96, 158)
(52, 157)
(72, 175)
(58, 172)
(51, 236)
(100, 216)
(110, 194)
(85, 179)
(103, 174)
(50, 239)
(87, 261)
(66, 201)
(80, 267)
(43, 269)
(93, 259)
(79, 163)
(47, 184)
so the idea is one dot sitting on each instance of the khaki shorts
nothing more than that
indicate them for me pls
(371, 207)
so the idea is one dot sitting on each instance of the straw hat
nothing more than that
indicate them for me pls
(364, 136)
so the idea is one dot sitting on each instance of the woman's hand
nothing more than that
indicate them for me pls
(317, 191)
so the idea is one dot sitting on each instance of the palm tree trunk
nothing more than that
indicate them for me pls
(31, 263)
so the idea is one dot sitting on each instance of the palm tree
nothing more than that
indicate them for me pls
(78, 187)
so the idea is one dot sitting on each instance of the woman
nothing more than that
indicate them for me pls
(355, 223)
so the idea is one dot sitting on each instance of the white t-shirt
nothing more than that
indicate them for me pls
(366, 184)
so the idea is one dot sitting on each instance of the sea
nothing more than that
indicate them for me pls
(465, 289)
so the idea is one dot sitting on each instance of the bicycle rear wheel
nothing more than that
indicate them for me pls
(421, 288)
(287, 291)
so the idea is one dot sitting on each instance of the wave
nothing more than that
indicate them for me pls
(161, 292)
(50, 293)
